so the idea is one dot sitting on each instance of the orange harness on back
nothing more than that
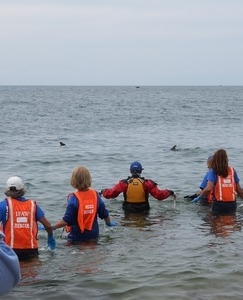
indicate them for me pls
(225, 188)
(135, 191)
(87, 209)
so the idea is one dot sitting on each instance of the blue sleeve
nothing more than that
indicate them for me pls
(212, 176)
(3, 205)
(204, 182)
(102, 210)
(39, 213)
(237, 180)
(70, 215)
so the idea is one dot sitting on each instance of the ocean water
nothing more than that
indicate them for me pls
(178, 251)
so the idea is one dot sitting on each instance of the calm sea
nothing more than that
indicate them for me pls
(177, 252)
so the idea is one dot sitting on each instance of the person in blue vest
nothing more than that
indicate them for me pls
(136, 190)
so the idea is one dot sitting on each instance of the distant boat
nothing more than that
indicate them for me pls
(137, 87)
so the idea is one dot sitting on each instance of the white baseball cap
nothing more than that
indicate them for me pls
(16, 182)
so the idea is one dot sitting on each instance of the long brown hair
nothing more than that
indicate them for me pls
(219, 163)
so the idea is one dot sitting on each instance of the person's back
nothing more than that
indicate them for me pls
(83, 209)
(224, 183)
(136, 191)
(19, 217)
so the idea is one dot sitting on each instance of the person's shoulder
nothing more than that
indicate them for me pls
(71, 198)
(3, 201)
(148, 180)
(125, 180)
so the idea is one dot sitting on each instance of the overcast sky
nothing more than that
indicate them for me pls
(121, 42)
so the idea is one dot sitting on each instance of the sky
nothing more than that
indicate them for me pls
(121, 42)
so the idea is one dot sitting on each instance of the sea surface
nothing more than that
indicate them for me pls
(176, 252)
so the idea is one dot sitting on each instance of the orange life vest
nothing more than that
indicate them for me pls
(135, 191)
(21, 227)
(225, 188)
(87, 208)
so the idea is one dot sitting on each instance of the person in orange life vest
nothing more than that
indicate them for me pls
(9, 268)
(136, 191)
(203, 200)
(83, 209)
(223, 181)
(19, 217)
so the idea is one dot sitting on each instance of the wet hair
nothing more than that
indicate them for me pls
(80, 178)
(219, 163)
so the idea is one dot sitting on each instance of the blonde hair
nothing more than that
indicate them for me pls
(80, 178)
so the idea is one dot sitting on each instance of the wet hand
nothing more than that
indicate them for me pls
(41, 227)
(51, 242)
(111, 224)
(195, 200)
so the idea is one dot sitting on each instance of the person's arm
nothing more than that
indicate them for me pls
(70, 215)
(202, 186)
(153, 189)
(238, 186)
(59, 224)
(47, 225)
(239, 190)
(103, 213)
(205, 191)
(120, 187)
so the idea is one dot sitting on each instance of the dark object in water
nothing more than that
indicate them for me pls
(173, 148)
(62, 144)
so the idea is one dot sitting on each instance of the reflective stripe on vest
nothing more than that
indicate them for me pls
(225, 187)
(87, 208)
(21, 226)
(135, 191)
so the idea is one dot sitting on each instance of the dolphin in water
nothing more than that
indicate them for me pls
(174, 148)
(62, 144)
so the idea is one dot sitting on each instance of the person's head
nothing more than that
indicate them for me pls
(136, 168)
(209, 159)
(14, 187)
(80, 178)
(219, 163)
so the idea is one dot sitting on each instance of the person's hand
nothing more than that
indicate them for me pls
(101, 192)
(51, 242)
(190, 196)
(111, 224)
(174, 196)
(41, 227)
(195, 200)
